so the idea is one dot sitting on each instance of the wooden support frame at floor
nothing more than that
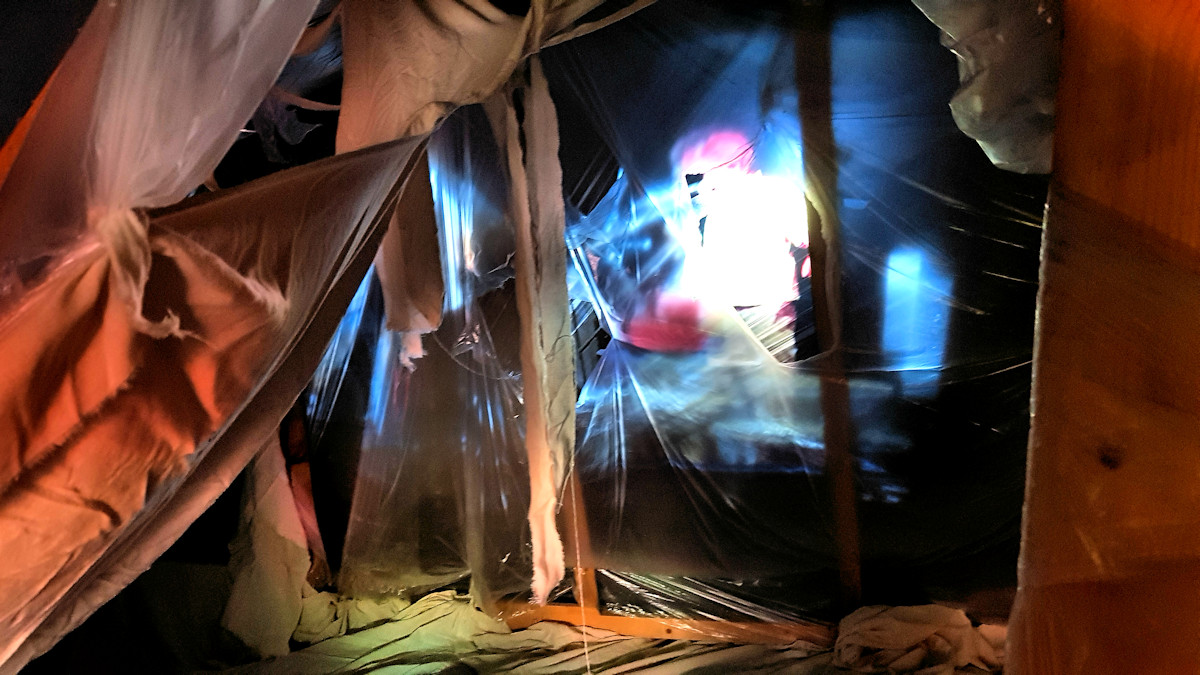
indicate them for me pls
(587, 611)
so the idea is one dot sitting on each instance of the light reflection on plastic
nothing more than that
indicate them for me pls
(337, 354)
(914, 322)
(720, 149)
(455, 214)
(377, 404)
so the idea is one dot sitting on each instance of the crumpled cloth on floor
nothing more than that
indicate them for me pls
(926, 639)
(445, 633)
(271, 603)
(325, 615)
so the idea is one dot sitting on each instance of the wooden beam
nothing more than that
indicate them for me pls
(521, 615)
(814, 78)
(587, 611)
(577, 542)
(1110, 561)
(1128, 127)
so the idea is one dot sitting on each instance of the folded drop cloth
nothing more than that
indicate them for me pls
(928, 639)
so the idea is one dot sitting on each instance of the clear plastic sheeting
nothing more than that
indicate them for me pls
(443, 632)
(407, 66)
(221, 58)
(442, 485)
(704, 480)
(1008, 63)
(699, 453)
(334, 366)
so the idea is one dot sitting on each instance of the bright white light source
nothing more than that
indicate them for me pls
(751, 222)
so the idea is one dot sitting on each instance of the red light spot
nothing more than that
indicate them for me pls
(721, 149)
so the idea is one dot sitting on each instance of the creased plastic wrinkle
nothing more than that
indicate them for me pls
(125, 238)
(390, 89)
(702, 417)
(547, 357)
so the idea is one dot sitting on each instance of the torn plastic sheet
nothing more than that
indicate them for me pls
(386, 552)
(439, 493)
(469, 49)
(83, 301)
(702, 431)
(241, 392)
(531, 143)
(442, 483)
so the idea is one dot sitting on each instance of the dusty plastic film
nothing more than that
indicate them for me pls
(84, 299)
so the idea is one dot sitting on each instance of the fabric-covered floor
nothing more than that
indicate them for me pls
(443, 633)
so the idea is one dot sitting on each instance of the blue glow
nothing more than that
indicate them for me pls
(381, 385)
(455, 213)
(915, 319)
(331, 371)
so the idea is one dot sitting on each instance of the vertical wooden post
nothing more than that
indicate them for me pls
(577, 540)
(1110, 560)
(813, 82)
